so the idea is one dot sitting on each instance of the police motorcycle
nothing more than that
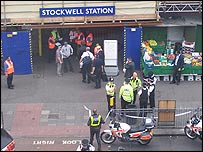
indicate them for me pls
(193, 127)
(124, 133)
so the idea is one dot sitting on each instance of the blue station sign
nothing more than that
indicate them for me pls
(77, 11)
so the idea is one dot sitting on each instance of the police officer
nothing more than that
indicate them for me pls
(111, 94)
(85, 146)
(126, 94)
(97, 69)
(135, 82)
(95, 122)
(152, 82)
(143, 97)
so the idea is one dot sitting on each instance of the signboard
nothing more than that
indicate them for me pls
(110, 52)
(77, 11)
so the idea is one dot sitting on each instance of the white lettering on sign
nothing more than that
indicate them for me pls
(43, 142)
(77, 11)
(68, 142)
(51, 142)
(94, 11)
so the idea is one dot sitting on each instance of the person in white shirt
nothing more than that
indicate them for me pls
(67, 52)
(86, 64)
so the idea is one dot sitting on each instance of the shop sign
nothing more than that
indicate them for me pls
(77, 11)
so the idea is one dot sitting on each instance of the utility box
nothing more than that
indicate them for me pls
(166, 112)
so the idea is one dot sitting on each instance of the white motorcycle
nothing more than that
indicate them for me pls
(124, 133)
(193, 128)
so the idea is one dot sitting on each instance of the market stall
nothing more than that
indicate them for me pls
(158, 56)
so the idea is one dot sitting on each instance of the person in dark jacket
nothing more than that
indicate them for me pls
(97, 69)
(95, 121)
(129, 68)
(177, 63)
(81, 49)
(143, 97)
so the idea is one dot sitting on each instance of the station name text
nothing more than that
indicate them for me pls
(77, 11)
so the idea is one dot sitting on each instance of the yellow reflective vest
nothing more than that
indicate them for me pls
(126, 91)
(135, 83)
(95, 120)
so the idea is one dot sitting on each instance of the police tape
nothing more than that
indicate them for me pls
(176, 115)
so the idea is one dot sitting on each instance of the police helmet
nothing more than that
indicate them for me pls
(150, 74)
(85, 142)
(111, 79)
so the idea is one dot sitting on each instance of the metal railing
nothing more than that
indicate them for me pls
(165, 118)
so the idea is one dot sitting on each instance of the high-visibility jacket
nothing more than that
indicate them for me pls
(89, 39)
(81, 37)
(51, 43)
(126, 91)
(135, 83)
(55, 34)
(95, 120)
(8, 67)
(110, 88)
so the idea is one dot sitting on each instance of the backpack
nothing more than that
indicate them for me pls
(87, 60)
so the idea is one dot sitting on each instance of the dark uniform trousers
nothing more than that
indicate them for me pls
(86, 69)
(98, 74)
(152, 98)
(143, 103)
(93, 131)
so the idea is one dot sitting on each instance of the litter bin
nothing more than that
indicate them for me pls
(131, 112)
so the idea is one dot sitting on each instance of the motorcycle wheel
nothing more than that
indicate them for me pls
(144, 142)
(189, 133)
(107, 138)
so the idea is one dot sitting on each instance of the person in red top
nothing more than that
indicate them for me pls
(9, 70)
(51, 45)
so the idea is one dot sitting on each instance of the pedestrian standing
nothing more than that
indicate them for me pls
(95, 121)
(67, 52)
(152, 85)
(143, 98)
(52, 48)
(177, 63)
(97, 69)
(86, 64)
(126, 94)
(9, 71)
(136, 83)
(100, 55)
(129, 68)
(111, 93)
(59, 61)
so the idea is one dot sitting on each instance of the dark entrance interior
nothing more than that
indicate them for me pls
(99, 35)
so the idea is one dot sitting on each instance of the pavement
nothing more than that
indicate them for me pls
(43, 104)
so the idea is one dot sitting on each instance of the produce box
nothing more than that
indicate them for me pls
(167, 70)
